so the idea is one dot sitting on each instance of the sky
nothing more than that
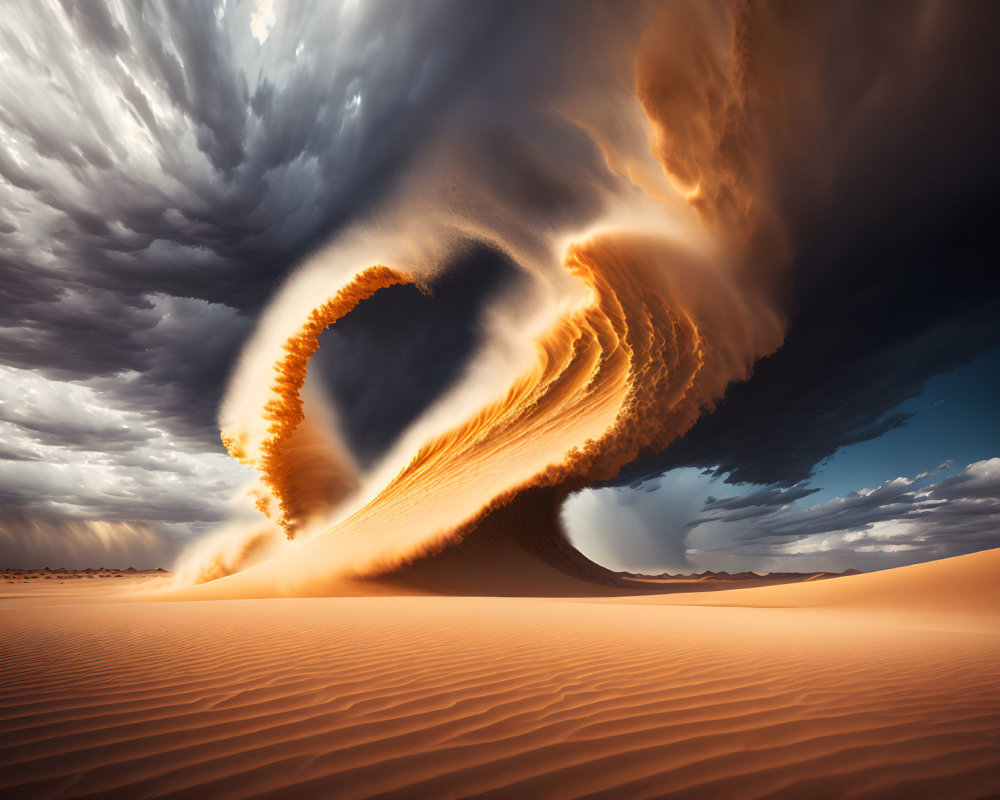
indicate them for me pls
(925, 489)
(167, 168)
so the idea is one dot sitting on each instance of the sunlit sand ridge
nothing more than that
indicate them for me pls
(862, 686)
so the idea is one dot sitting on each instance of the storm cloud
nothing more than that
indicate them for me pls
(890, 201)
(166, 156)
(689, 521)
(163, 167)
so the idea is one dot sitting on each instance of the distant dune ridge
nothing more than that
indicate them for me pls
(61, 573)
(877, 685)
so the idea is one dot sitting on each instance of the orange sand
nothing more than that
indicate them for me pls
(881, 685)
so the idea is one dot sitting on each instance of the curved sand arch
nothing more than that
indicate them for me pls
(627, 373)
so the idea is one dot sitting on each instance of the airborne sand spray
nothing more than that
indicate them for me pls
(289, 473)
(640, 319)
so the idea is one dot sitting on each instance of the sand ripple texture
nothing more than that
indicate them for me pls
(844, 689)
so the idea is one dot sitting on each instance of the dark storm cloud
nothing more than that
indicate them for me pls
(167, 153)
(238, 160)
(890, 199)
(761, 498)
(163, 168)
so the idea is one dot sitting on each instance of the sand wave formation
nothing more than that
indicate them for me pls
(665, 323)
(622, 376)
(289, 475)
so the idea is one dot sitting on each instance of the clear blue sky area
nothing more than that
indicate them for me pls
(957, 419)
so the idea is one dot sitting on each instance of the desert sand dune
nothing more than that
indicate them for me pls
(780, 691)
(963, 590)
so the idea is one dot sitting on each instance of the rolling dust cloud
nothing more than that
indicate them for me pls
(657, 259)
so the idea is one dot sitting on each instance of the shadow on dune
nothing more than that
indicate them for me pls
(519, 549)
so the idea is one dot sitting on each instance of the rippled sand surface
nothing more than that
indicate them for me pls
(881, 685)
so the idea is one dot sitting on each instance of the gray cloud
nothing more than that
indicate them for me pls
(905, 520)
(163, 168)
(75, 450)
(676, 523)
(762, 498)
(33, 538)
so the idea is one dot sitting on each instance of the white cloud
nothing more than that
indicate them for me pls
(681, 522)
(73, 450)
(262, 20)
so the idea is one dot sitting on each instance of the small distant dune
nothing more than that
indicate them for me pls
(62, 572)
(964, 586)
(26, 577)
(866, 686)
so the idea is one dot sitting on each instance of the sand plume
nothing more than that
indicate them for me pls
(663, 285)
(641, 328)
(622, 375)
(296, 466)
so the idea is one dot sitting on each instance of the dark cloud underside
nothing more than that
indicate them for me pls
(894, 278)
